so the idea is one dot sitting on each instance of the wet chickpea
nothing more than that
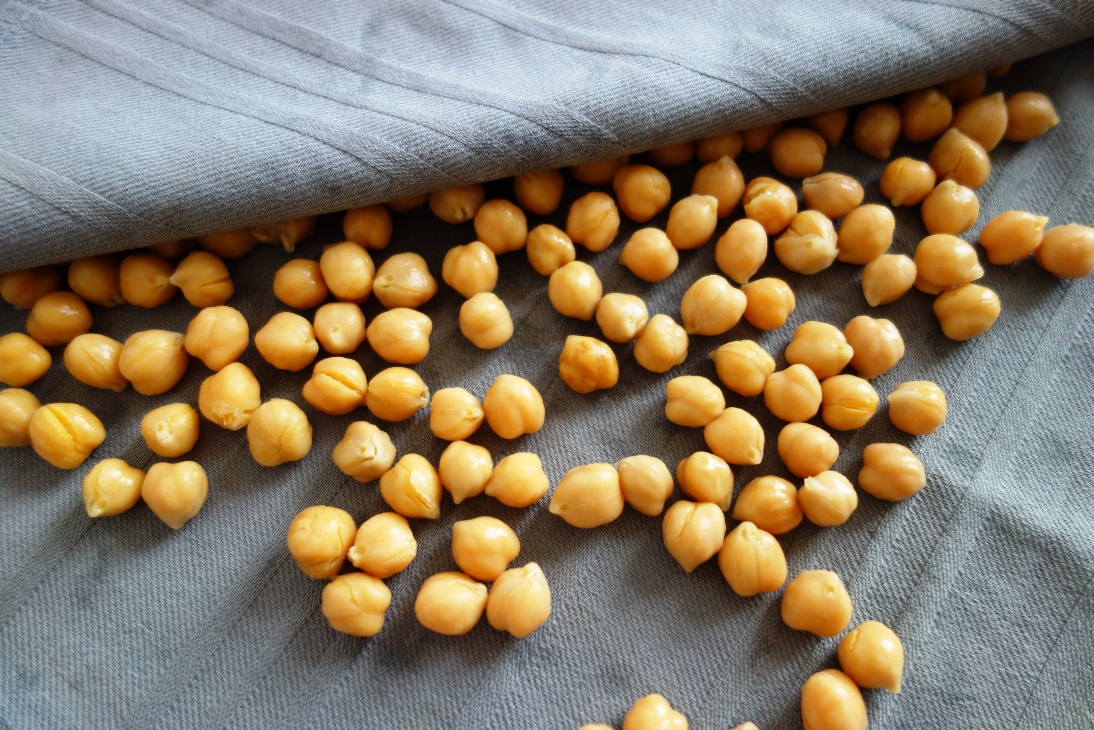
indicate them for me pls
(171, 430)
(412, 488)
(464, 470)
(383, 546)
(470, 269)
(693, 532)
(887, 278)
(450, 603)
(485, 321)
(906, 181)
(865, 233)
(153, 361)
(673, 155)
(575, 290)
(645, 482)
(769, 302)
(950, 208)
(519, 601)
(927, 287)
(278, 432)
(945, 260)
(876, 130)
(348, 271)
(23, 361)
(403, 280)
(961, 159)
(692, 221)
(175, 492)
(337, 386)
(754, 139)
(797, 152)
(1067, 251)
(232, 244)
(662, 345)
(287, 341)
(457, 204)
(770, 503)
(1029, 115)
(808, 245)
(621, 317)
(917, 407)
(97, 279)
(831, 701)
(454, 414)
(924, 115)
(711, 306)
(513, 407)
(966, 311)
(549, 249)
(600, 172)
(967, 87)
(827, 498)
(17, 406)
(891, 472)
(401, 335)
(736, 436)
(217, 336)
(1012, 236)
(355, 604)
(711, 149)
(831, 193)
(368, 227)
(793, 394)
(983, 119)
(111, 487)
(693, 401)
(172, 250)
(752, 561)
(770, 203)
(873, 656)
(230, 396)
(706, 477)
(319, 538)
(593, 221)
(364, 453)
(821, 347)
(65, 434)
(57, 318)
(203, 279)
(741, 250)
(641, 191)
(539, 192)
(340, 327)
(806, 449)
(518, 480)
(816, 601)
(587, 364)
(396, 394)
(299, 284)
(743, 366)
(483, 547)
(877, 345)
(588, 496)
(502, 226)
(829, 125)
(847, 402)
(145, 280)
(650, 255)
(722, 180)
(288, 232)
(21, 289)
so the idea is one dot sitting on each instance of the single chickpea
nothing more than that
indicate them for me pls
(905, 181)
(950, 208)
(65, 434)
(396, 394)
(519, 601)
(232, 244)
(340, 327)
(173, 250)
(153, 361)
(403, 280)
(769, 302)
(175, 492)
(770, 203)
(966, 311)
(364, 453)
(816, 601)
(830, 124)
(827, 498)
(145, 280)
(450, 603)
(454, 414)
(797, 152)
(368, 227)
(711, 149)
(299, 284)
(288, 233)
(587, 364)
(831, 701)
(662, 345)
(383, 546)
(621, 317)
(278, 432)
(741, 250)
(464, 470)
(1067, 251)
(876, 130)
(593, 221)
(518, 480)
(967, 87)
(706, 477)
(513, 407)
(847, 402)
(650, 255)
(711, 306)
(408, 203)
(23, 361)
(57, 318)
(203, 279)
(21, 289)
(887, 278)
(743, 366)
(891, 472)
(693, 532)
(917, 407)
(865, 233)
(752, 561)
(653, 713)
(17, 407)
(401, 335)
(692, 221)
(961, 159)
(483, 547)
(757, 138)
(111, 487)
(793, 394)
(457, 204)
(1011, 236)
(693, 401)
(924, 114)
(230, 396)
(287, 341)
(821, 347)
(470, 269)
(348, 271)
(927, 287)
(600, 172)
(355, 604)
(549, 249)
(945, 260)
(808, 245)
(998, 72)
(673, 155)
(984, 119)
(721, 179)
(502, 226)
(97, 279)
(412, 488)
(642, 191)
(877, 345)
(770, 503)
(1029, 115)
(575, 290)
(171, 430)
(539, 192)
(588, 496)
(645, 482)
(736, 436)
(217, 336)
(872, 655)
(806, 449)
(485, 321)
(319, 538)
(833, 194)
(337, 386)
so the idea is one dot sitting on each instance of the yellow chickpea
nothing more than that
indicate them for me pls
(299, 284)
(355, 604)
(539, 192)
(401, 335)
(808, 245)
(847, 402)
(502, 226)
(806, 449)
(519, 601)
(21, 289)
(755, 139)
(203, 279)
(830, 124)
(287, 341)
(752, 561)
(711, 306)
(364, 453)
(65, 434)
(743, 366)
(706, 477)
(876, 130)
(887, 278)
(693, 401)
(593, 221)
(769, 302)
(721, 179)
(111, 487)
(642, 191)
(967, 87)
(319, 538)
(984, 119)
(831, 701)
(770, 203)
(575, 290)
(653, 712)
(998, 72)
(549, 249)
(23, 361)
(230, 396)
(793, 394)
(588, 496)
(396, 394)
(457, 204)
(891, 472)
(471, 269)
(518, 480)
(454, 414)
(905, 181)
(770, 503)
(288, 232)
(621, 317)
(741, 250)
(217, 336)
(57, 318)
(821, 347)
(865, 233)
(513, 407)
(231, 244)
(412, 488)
(450, 603)
(403, 280)
(736, 436)
(673, 155)
(1012, 236)
(171, 430)
(924, 115)
(1029, 115)
(464, 470)
(97, 279)
(797, 152)
(145, 280)
(831, 193)
(337, 386)
(17, 407)
(483, 547)
(485, 321)
(600, 172)
(383, 546)
(645, 482)
(692, 221)
(587, 364)
(827, 498)
(348, 271)
(873, 656)
(960, 158)
(650, 255)
(816, 601)
(877, 345)
(693, 532)
(950, 208)
(917, 407)
(175, 492)
(368, 227)
(966, 311)
(153, 361)
(172, 250)
(711, 149)
(662, 345)
(340, 327)
(278, 432)
(1067, 251)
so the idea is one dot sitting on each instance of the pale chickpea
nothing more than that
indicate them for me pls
(217, 336)
(960, 158)
(454, 414)
(752, 561)
(92, 359)
(364, 453)
(457, 204)
(412, 488)
(865, 233)
(831, 701)
(769, 302)
(770, 203)
(513, 407)
(396, 394)
(519, 601)
(600, 172)
(319, 538)
(887, 278)
(830, 124)
(891, 472)
(145, 280)
(793, 394)
(711, 306)
(827, 498)
(483, 547)
(340, 327)
(873, 656)
(287, 341)
(501, 225)
(743, 366)
(337, 386)
(348, 271)
(587, 364)
(288, 232)
(621, 317)
(175, 492)
(278, 432)
(593, 221)
(111, 487)
(693, 532)
(966, 311)
(403, 280)
(549, 249)
(673, 155)
(984, 119)
(642, 191)
(721, 179)
(1012, 236)
(692, 221)
(653, 712)
(485, 321)
(877, 345)
(539, 192)
(832, 193)
(693, 401)
(816, 601)
(711, 149)
(821, 347)
(645, 482)
(797, 152)
(383, 546)
(917, 407)
(203, 279)
(950, 208)
(906, 181)
(172, 250)
(400, 335)
(807, 450)
(876, 130)
(97, 279)
(741, 250)
(355, 604)
(21, 289)
(808, 245)
(57, 318)
(588, 496)
(1067, 251)
(450, 603)
(153, 361)
(649, 255)
(470, 269)
(17, 407)
(964, 88)
(847, 402)
(770, 503)
(464, 470)
(230, 396)
(518, 480)
(736, 436)
(171, 430)
(23, 360)
(368, 227)
(299, 284)
(1029, 115)
(574, 290)
(662, 345)
(924, 114)
(232, 244)
(65, 434)
(706, 477)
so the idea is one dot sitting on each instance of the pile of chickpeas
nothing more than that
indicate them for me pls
(834, 225)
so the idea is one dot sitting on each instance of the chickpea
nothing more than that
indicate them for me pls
(621, 317)
(877, 345)
(816, 601)
(589, 726)
(230, 396)
(847, 402)
(876, 130)
(549, 249)
(950, 208)
(693, 532)
(721, 179)
(288, 233)
(23, 361)
(827, 498)
(401, 335)
(403, 280)
(1011, 236)
(917, 407)
(692, 221)
(470, 269)
(755, 139)
(769, 302)
(891, 472)
(872, 655)
(819, 346)
(355, 603)
(171, 430)
(808, 245)
(806, 449)
(645, 482)
(57, 318)
(752, 561)
(172, 250)
(650, 255)
(741, 250)
(865, 233)
(513, 407)
(706, 477)
(278, 432)
(833, 194)
(65, 434)
(961, 159)
(21, 289)
(340, 327)
(464, 470)
(711, 306)
(145, 280)
(287, 341)
(662, 345)
(831, 701)
(175, 492)
(587, 496)
(673, 155)
(396, 394)
(1029, 115)
(217, 336)
(984, 119)
(575, 290)
(927, 287)
(793, 394)
(337, 386)
(600, 172)
(1067, 251)
(905, 181)
(518, 480)
(97, 279)
(642, 191)
(502, 226)
(153, 361)
(770, 203)
(593, 221)
(368, 227)
(693, 401)
(587, 364)
(454, 414)
(966, 311)
(299, 284)
(232, 244)
(539, 192)
(17, 407)
(887, 278)
(736, 436)
(364, 453)
(203, 279)
(383, 546)
(965, 88)
(998, 72)
(483, 547)
(711, 149)
(653, 712)
(319, 538)
(519, 601)
(410, 202)
(829, 125)
(111, 487)
(945, 260)
(348, 271)
(450, 603)
(797, 152)
(457, 204)
(770, 503)
(412, 488)
(485, 321)
(925, 114)
(743, 366)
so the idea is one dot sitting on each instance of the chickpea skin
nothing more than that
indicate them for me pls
(736, 436)
(175, 492)
(692, 221)
(808, 245)
(587, 364)
(464, 470)
(396, 394)
(706, 477)
(217, 336)
(891, 472)
(593, 221)
(830, 124)
(650, 255)
(485, 321)
(905, 181)
(368, 227)
(599, 172)
(769, 303)
(153, 361)
(1012, 236)
(876, 130)
(693, 401)
(483, 547)
(539, 192)
(721, 179)
(924, 114)
(470, 269)
(770, 203)
(549, 249)
(340, 327)
(847, 402)
(832, 194)
(827, 498)
(642, 191)
(111, 487)
(412, 488)
(287, 341)
(502, 226)
(711, 149)
(355, 603)
(230, 396)
(145, 280)
(711, 306)
(806, 449)
(400, 335)
(1067, 251)
(319, 538)
(364, 453)
(17, 407)
(1029, 115)
(575, 290)
(57, 318)
(770, 503)
(299, 284)
(513, 407)
(917, 407)
(865, 233)
(171, 430)
(966, 311)
(203, 279)
(97, 279)
(797, 152)
(877, 345)
(693, 532)
(65, 434)
(793, 394)
(337, 386)
(887, 278)
(454, 414)
(588, 496)
(816, 601)
(645, 482)
(450, 603)
(743, 366)
(518, 480)
(348, 271)
(752, 561)
(519, 601)
(950, 208)
(873, 656)
(831, 701)
(457, 204)
(653, 712)
(960, 158)
(23, 361)
(662, 345)
(21, 289)
(278, 432)
(383, 546)
(741, 250)
(984, 119)
(621, 317)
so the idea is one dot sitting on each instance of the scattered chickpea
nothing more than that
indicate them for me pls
(171, 430)
(278, 432)
(756, 138)
(706, 477)
(97, 279)
(355, 604)
(287, 341)
(819, 346)
(519, 601)
(964, 88)
(770, 302)
(770, 203)
(1012, 236)
(917, 407)
(400, 335)
(483, 547)
(587, 364)
(175, 492)
(518, 480)
(621, 317)
(21, 289)
(1067, 251)
(549, 249)
(145, 280)
(470, 269)
(876, 130)
(847, 402)
(752, 561)
(153, 361)
(513, 407)
(984, 119)
(830, 124)
(872, 655)
(827, 498)
(111, 487)
(319, 538)
(906, 181)
(650, 255)
(348, 271)
(501, 225)
(396, 394)
(770, 503)
(230, 396)
(368, 227)
(966, 311)
(593, 221)
(641, 191)
(816, 601)
(743, 366)
(831, 193)
(831, 701)
(575, 290)
(454, 414)
(806, 449)
(383, 546)
(924, 114)
(232, 244)
(403, 280)
(539, 192)
(299, 284)
(1029, 115)
(464, 470)
(721, 179)
(17, 407)
(692, 221)
(337, 386)
(945, 260)
(203, 279)
(877, 345)
(961, 159)
(653, 712)
(23, 360)
(412, 488)
(693, 532)
(797, 152)
(793, 394)
(736, 436)
(340, 327)
(950, 208)
(808, 245)
(57, 318)
(217, 336)
(741, 250)
(865, 233)
(450, 603)
(711, 149)
(364, 453)
(65, 434)
(645, 482)
(662, 345)
(485, 321)
(891, 472)
(588, 496)
(457, 204)
(600, 172)
(711, 306)
(693, 401)
(673, 155)
(887, 278)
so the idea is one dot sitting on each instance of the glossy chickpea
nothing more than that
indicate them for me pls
(299, 284)
(770, 503)
(1029, 115)
(924, 114)
(337, 386)
(171, 430)
(807, 450)
(743, 366)
(175, 492)
(1012, 236)
(232, 244)
(692, 221)
(966, 311)
(831, 701)
(808, 245)
(454, 414)
(906, 181)
(518, 480)
(153, 361)
(752, 561)
(917, 407)
(711, 149)
(340, 327)
(21, 289)
(65, 434)
(621, 317)
(770, 203)
(816, 601)
(383, 546)
(876, 130)
(412, 488)
(865, 233)
(950, 208)
(145, 280)
(961, 159)
(793, 394)
(111, 487)
(287, 341)
(721, 179)
(588, 496)
(364, 453)
(230, 396)
(645, 482)
(355, 604)
(97, 279)
(711, 306)
(964, 88)
(741, 250)
(57, 318)
(403, 280)
(984, 119)
(401, 335)
(877, 345)
(519, 601)
(847, 402)
(887, 278)
(831, 193)
(827, 499)
(470, 269)
(662, 345)
(485, 321)
(587, 364)
(348, 271)
(830, 124)
(539, 192)
(693, 401)
(673, 155)
(575, 290)
(706, 477)
(217, 336)
(653, 712)
(464, 470)
(23, 360)
(483, 547)
(1067, 251)
(641, 191)
(819, 346)
(549, 249)
(319, 538)
(755, 139)
(457, 204)
(513, 407)
(599, 172)
(203, 279)
(593, 221)
(278, 432)
(797, 152)
(891, 472)
(736, 436)
(501, 225)
(650, 255)
(873, 656)
(172, 250)
(396, 394)
(288, 233)
(946, 261)
(769, 302)
(450, 603)
(368, 227)
(693, 532)
(17, 407)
